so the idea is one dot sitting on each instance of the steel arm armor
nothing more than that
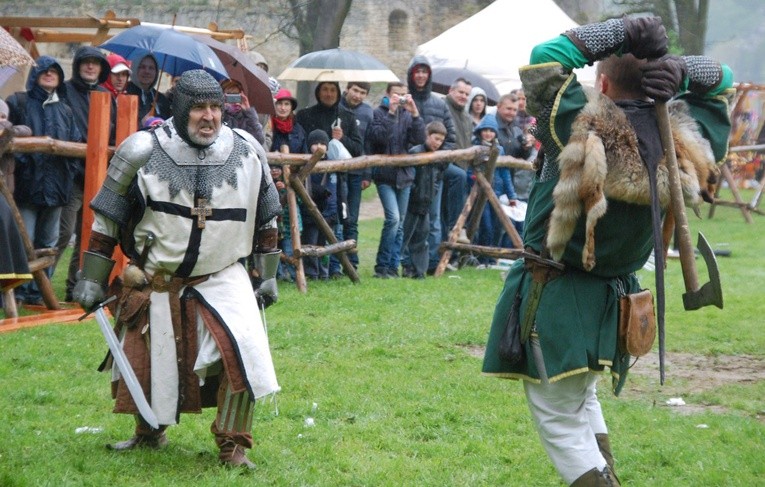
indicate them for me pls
(111, 200)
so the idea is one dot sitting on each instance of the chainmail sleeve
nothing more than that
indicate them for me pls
(704, 73)
(599, 40)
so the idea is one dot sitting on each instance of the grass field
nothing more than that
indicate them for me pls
(389, 371)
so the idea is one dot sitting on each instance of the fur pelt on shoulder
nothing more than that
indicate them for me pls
(601, 160)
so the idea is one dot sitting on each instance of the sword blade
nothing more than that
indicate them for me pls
(125, 369)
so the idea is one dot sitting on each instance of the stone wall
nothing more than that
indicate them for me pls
(389, 31)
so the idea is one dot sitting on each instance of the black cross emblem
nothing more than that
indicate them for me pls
(201, 213)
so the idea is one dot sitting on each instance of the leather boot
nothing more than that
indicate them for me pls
(143, 438)
(232, 455)
(597, 478)
(605, 449)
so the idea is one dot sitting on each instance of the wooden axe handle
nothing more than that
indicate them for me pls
(687, 255)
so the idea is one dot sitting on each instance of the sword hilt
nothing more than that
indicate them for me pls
(96, 308)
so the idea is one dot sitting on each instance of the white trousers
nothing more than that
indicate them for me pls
(567, 415)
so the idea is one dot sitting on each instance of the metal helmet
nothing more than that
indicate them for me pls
(194, 87)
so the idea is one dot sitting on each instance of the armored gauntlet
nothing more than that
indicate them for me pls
(264, 263)
(93, 278)
(264, 267)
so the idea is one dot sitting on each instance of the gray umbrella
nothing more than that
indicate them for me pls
(443, 78)
(339, 65)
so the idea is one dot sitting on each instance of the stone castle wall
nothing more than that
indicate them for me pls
(389, 31)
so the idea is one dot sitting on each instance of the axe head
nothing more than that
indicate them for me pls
(711, 292)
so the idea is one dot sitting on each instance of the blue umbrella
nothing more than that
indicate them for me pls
(175, 51)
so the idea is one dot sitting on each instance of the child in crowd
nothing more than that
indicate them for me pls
(417, 220)
(485, 133)
(323, 190)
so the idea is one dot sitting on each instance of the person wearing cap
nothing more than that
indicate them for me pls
(144, 79)
(286, 130)
(119, 75)
(239, 114)
(203, 194)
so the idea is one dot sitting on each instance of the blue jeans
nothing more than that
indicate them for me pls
(286, 271)
(334, 263)
(453, 198)
(394, 202)
(351, 224)
(42, 224)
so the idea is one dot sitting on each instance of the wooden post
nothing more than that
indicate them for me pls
(726, 174)
(297, 185)
(95, 158)
(497, 207)
(455, 232)
(488, 170)
(127, 124)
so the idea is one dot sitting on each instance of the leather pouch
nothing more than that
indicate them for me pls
(133, 306)
(510, 347)
(637, 323)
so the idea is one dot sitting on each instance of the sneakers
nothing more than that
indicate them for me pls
(468, 261)
(451, 268)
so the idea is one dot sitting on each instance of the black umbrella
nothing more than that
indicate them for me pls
(443, 78)
(242, 68)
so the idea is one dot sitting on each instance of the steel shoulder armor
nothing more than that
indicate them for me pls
(131, 155)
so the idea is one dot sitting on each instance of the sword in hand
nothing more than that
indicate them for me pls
(136, 392)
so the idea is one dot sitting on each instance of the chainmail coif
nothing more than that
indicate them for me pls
(194, 87)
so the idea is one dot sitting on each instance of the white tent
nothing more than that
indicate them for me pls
(498, 40)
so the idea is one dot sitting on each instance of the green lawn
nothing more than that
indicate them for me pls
(393, 367)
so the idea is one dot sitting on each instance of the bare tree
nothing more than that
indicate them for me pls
(686, 18)
(315, 25)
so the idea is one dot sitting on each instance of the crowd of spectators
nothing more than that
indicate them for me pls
(421, 204)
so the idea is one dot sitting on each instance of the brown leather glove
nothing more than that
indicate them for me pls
(645, 37)
(662, 77)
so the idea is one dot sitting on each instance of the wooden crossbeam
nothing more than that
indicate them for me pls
(481, 193)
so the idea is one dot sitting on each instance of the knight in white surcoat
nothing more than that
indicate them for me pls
(193, 205)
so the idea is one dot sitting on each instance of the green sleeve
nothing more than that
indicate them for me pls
(558, 50)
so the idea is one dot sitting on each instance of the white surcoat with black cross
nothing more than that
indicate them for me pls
(201, 205)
